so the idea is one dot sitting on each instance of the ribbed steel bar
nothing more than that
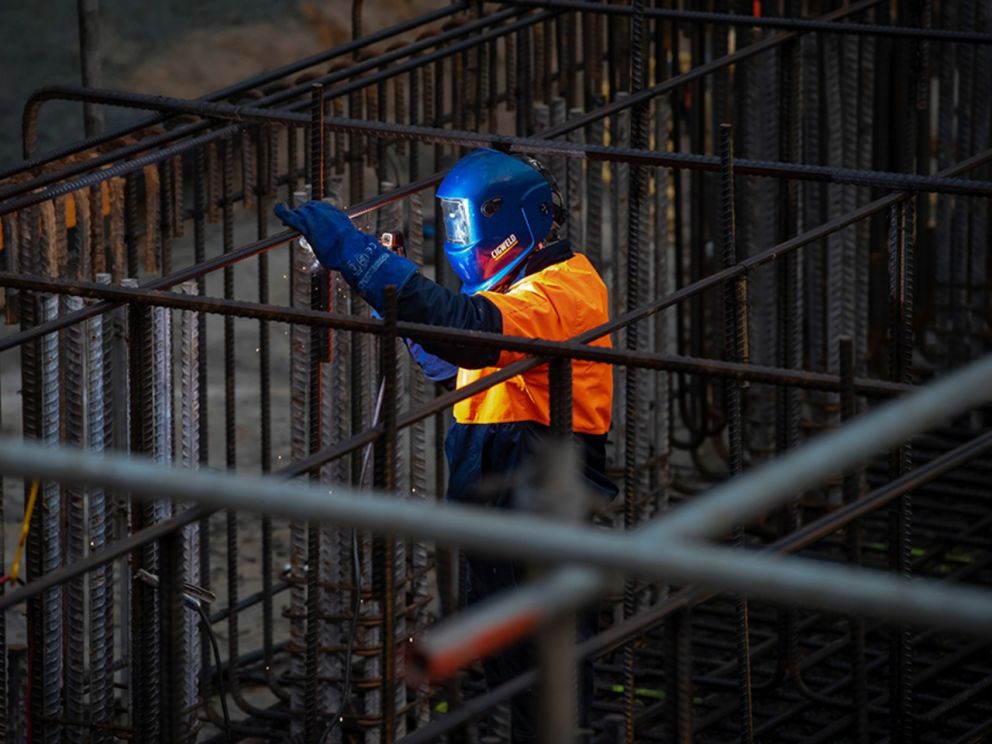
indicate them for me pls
(354, 88)
(901, 229)
(189, 457)
(246, 85)
(41, 421)
(316, 279)
(634, 420)
(534, 146)
(265, 144)
(703, 70)
(300, 359)
(853, 536)
(117, 436)
(785, 23)
(253, 249)
(723, 507)
(386, 551)
(558, 679)
(733, 351)
(817, 584)
(536, 347)
(4, 728)
(73, 386)
(690, 596)
(45, 640)
(145, 684)
(28, 312)
(101, 593)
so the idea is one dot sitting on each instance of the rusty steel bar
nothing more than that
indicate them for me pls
(571, 148)
(535, 347)
(782, 23)
(245, 85)
(659, 89)
(301, 89)
(544, 540)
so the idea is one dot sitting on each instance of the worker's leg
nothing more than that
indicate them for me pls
(486, 578)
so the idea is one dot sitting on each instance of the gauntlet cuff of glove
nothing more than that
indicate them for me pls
(369, 269)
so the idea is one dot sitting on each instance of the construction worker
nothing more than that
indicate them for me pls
(501, 220)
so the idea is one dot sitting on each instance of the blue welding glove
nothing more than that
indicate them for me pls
(340, 246)
(434, 367)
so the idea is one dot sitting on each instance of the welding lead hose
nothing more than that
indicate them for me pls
(367, 455)
(15, 567)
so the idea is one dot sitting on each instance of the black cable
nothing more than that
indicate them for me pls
(205, 622)
(356, 597)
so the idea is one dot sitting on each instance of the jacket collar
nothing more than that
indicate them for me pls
(552, 253)
(549, 255)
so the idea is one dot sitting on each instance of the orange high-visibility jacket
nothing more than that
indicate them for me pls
(556, 303)
(557, 296)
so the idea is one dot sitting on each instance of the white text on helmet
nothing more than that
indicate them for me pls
(504, 247)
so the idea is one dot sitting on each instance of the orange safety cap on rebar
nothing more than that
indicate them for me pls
(555, 304)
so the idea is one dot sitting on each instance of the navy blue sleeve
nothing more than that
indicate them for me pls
(422, 300)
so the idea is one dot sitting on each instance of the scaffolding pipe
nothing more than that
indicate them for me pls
(658, 550)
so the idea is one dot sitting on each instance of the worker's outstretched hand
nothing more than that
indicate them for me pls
(327, 229)
(340, 246)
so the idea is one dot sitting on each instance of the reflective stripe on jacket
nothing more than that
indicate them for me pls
(556, 303)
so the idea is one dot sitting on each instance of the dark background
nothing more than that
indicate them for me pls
(173, 47)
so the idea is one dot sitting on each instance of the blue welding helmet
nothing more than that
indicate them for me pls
(497, 208)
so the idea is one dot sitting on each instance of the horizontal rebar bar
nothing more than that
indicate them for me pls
(698, 73)
(763, 21)
(657, 550)
(422, 332)
(10, 191)
(737, 501)
(568, 126)
(245, 85)
(523, 145)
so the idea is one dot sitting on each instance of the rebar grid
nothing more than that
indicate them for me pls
(469, 85)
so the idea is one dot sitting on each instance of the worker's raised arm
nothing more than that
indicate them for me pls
(369, 268)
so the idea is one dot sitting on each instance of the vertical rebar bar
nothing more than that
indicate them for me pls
(734, 349)
(3, 616)
(299, 351)
(318, 281)
(901, 228)
(201, 194)
(173, 648)
(90, 66)
(632, 398)
(574, 183)
(189, 456)
(117, 436)
(557, 674)
(73, 387)
(264, 190)
(852, 535)
(50, 681)
(386, 476)
(788, 335)
(145, 628)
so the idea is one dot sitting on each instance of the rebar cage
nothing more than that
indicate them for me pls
(790, 212)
